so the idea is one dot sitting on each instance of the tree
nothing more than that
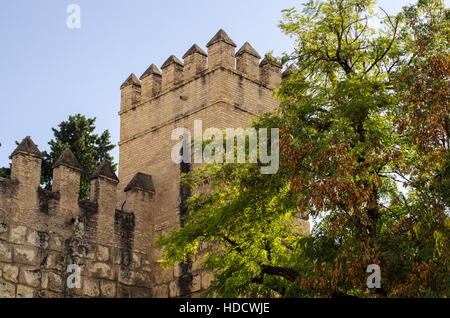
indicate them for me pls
(77, 133)
(423, 120)
(5, 172)
(351, 136)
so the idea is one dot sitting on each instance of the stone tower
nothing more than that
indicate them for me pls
(223, 88)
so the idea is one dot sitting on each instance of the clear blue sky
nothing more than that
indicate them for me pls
(48, 71)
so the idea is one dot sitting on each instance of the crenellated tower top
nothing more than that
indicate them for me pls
(221, 54)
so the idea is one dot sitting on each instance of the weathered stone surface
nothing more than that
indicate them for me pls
(136, 260)
(7, 290)
(67, 159)
(141, 181)
(124, 291)
(143, 279)
(171, 60)
(11, 273)
(105, 169)
(196, 295)
(102, 253)
(91, 288)
(146, 268)
(196, 283)
(25, 255)
(101, 270)
(177, 272)
(18, 234)
(51, 281)
(116, 256)
(75, 291)
(127, 277)
(146, 260)
(55, 242)
(38, 239)
(131, 80)
(54, 260)
(207, 278)
(30, 277)
(193, 50)
(90, 254)
(161, 291)
(174, 290)
(108, 289)
(5, 252)
(221, 35)
(197, 264)
(139, 292)
(157, 254)
(152, 69)
(25, 291)
(54, 282)
(161, 275)
(3, 228)
(46, 294)
(27, 146)
(247, 48)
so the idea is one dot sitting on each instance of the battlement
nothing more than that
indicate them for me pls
(42, 231)
(24, 184)
(197, 63)
(26, 179)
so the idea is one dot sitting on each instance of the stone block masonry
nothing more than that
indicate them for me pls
(111, 235)
(43, 232)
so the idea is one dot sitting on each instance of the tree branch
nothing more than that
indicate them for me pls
(233, 243)
(379, 58)
(284, 272)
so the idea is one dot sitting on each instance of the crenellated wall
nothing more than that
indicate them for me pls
(174, 73)
(42, 232)
(111, 235)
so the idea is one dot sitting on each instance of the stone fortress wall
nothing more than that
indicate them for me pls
(111, 236)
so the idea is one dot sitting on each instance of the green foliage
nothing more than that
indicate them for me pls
(77, 133)
(5, 172)
(364, 147)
